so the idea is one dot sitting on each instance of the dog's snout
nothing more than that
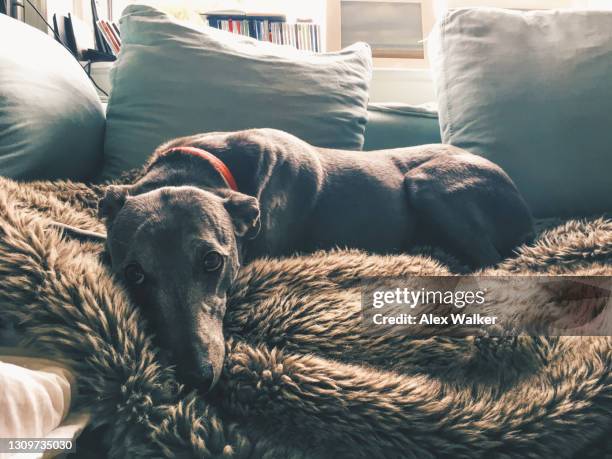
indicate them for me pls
(198, 350)
(196, 365)
(201, 378)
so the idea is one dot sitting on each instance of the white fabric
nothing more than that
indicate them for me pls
(35, 396)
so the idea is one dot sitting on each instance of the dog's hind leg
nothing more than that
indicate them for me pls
(451, 221)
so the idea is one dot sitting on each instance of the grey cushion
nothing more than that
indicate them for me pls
(394, 125)
(173, 79)
(532, 91)
(51, 119)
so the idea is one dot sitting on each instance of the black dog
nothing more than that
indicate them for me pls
(210, 202)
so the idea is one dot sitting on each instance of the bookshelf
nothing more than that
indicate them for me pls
(274, 28)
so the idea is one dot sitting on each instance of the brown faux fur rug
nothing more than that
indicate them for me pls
(303, 379)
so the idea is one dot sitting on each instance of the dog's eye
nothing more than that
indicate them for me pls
(134, 274)
(212, 261)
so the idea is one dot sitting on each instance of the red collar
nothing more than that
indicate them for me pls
(212, 159)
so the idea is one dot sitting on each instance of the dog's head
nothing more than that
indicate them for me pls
(177, 250)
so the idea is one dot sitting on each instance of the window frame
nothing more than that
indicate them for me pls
(333, 39)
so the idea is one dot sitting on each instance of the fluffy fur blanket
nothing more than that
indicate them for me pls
(302, 377)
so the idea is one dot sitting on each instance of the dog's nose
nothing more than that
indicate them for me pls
(201, 378)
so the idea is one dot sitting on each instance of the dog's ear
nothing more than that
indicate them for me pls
(112, 202)
(78, 233)
(244, 211)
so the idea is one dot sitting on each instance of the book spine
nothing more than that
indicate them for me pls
(56, 31)
(116, 29)
(304, 37)
(70, 38)
(107, 45)
(114, 32)
(313, 40)
(114, 35)
(271, 28)
(99, 40)
(109, 37)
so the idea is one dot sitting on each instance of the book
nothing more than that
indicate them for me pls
(101, 44)
(116, 40)
(69, 32)
(84, 38)
(109, 34)
(59, 29)
(240, 15)
(116, 29)
(274, 28)
(108, 43)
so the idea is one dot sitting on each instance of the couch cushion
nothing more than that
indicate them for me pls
(173, 79)
(394, 125)
(51, 119)
(532, 92)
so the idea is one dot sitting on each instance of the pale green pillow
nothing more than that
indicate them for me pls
(173, 79)
(532, 91)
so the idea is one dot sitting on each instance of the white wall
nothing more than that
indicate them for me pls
(80, 9)
(411, 86)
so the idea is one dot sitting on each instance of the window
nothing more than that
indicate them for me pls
(392, 28)
(396, 29)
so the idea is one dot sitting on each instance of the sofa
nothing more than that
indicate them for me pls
(314, 380)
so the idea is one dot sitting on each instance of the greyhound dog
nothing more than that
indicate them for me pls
(205, 204)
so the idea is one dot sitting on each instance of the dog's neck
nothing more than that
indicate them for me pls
(218, 165)
(186, 166)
